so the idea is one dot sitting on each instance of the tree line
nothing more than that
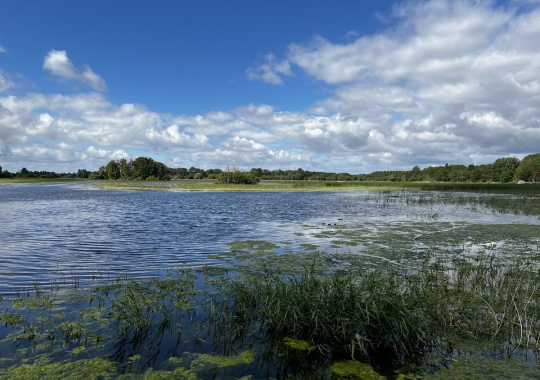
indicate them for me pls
(25, 173)
(503, 170)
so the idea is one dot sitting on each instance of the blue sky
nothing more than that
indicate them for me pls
(351, 86)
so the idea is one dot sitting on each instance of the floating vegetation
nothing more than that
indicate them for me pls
(297, 344)
(355, 370)
(308, 185)
(204, 360)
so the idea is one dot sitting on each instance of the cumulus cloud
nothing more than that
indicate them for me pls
(270, 71)
(92, 152)
(463, 75)
(448, 81)
(58, 63)
(90, 119)
(241, 144)
(172, 136)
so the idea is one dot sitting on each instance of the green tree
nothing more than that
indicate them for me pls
(504, 169)
(529, 168)
(126, 169)
(99, 174)
(113, 170)
(144, 167)
(82, 173)
(238, 177)
(344, 177)
(415, 174)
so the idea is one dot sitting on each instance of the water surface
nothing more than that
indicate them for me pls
(74, 233)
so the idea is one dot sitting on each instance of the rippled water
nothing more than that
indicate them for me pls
(71, 232)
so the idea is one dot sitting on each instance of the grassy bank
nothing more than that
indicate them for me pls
(194, 185)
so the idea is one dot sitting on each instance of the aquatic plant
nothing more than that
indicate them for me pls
(303, 320)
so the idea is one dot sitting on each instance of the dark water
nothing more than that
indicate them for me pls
(73, 233)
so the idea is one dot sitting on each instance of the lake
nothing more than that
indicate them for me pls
(72, 232)
(267, 285)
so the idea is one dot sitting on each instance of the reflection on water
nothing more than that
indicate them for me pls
(67, 232)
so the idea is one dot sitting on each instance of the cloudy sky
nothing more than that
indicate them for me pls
(353, 86)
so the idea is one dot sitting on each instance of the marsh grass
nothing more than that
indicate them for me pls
(389, 319)
(509, 202)
(206, 185)
(306, 321)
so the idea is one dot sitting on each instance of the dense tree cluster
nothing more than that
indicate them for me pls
(503, 170)
(142, 168)
(236, 176)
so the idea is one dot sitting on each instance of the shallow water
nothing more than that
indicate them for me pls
(75, 234)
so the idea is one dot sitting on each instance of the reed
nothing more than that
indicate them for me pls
(386, 318)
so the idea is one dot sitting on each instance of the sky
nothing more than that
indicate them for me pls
(342, 86)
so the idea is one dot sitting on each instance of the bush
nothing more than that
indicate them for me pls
(238, 178)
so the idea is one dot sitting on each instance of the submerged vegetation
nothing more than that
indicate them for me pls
(450, 314)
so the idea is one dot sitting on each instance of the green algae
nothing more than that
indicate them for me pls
(78, 350)
(482, 368)
(176, 360)
(355, 370)
(78, 370)
(32, 303)
(8, 318)
(297, 344)
(203, 360)
(151, 374)
(134, 358)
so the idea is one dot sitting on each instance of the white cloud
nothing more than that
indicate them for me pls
(173, 137)
(241, 144)
(449, 81)
(2, 50)
(58, 63)
(92, 152)
(270, 71)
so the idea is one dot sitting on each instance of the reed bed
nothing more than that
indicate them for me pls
(503, 203)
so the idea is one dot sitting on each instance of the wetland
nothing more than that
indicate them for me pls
(360, 284)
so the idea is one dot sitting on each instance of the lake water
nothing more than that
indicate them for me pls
(74, 233)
